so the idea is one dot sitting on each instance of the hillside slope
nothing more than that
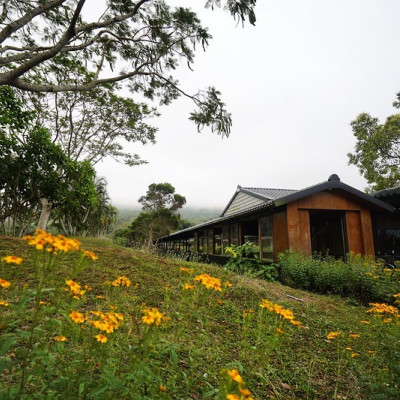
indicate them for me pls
(187, 357)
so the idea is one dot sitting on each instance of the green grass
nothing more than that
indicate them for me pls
(190, 354)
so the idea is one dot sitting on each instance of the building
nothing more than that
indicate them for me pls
(330, 217)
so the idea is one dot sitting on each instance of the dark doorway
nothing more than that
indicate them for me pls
(328, 233)
(249, 231)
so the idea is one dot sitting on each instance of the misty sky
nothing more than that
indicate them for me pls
(293, 84)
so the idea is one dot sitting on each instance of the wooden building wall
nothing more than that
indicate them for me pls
(358, 222)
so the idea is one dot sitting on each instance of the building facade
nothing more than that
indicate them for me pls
(328, 218)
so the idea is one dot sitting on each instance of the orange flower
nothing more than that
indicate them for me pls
(188, 287)
(5, 284)
(333, 335)
(232, 397)
(101, 338)
(13, 260)
(91, 255)
(245, 392)
(279, 330)
(163, 388)
(60, 338)
(4, 303)
(77, 317)
(235, 376)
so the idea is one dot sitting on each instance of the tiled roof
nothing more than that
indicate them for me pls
(267, 193)
(279, 197)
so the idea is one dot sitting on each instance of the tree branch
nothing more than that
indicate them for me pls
(19, 23)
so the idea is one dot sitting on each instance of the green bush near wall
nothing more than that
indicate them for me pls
(359, 277)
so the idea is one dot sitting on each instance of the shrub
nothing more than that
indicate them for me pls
(244, 259)
(359, 276)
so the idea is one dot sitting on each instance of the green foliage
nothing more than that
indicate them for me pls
(94, 124)
(377, 153)
(33, 167)
(360, 277)
(145, 41)
(150, 226)
(161, 196)
(244, 259)
(231, 330)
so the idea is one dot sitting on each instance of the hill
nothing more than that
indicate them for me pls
(174, 336)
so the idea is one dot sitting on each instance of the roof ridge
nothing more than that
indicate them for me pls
(248, 187)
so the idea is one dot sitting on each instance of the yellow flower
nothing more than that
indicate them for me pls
(382, 308)
(186, 270)
(245, 392)
(277, 309)
(188, 287)
(349, 348)
(153, 316)
(333, 335)
(91, 255)
(44, 303)
(5, 284)
(101, 338)
(163, 388)
(353, 335)
(235, 376)
(227, 284)
(60, 338)
(232, 397)
(77, 317)
(279, 330)
(43, 240)
(13, 260)
(365, 322)
(354, 355)
(209, 282)
(121, 281)
(387, 320)
(99, 297)
(4, 303)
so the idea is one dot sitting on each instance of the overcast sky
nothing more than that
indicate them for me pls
(293, 84)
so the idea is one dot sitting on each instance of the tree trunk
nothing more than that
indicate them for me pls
(44, 215)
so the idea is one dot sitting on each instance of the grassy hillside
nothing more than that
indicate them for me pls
(203, 338)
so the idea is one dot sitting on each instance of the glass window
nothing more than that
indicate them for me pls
(200, 242)
(267, 243)
(210, 240)
(225, 237)
(190, 244)
(218, 241)
(234, 234)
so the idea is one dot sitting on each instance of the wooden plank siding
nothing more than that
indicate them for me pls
(242, 202)
(280, 235)
(358, 221)
(355, 238)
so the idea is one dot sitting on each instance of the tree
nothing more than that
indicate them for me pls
(377, 150)
(33, 168)
(93, 218)
(158, 218)
(147, 39)
(94, 124)
(160, 196)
